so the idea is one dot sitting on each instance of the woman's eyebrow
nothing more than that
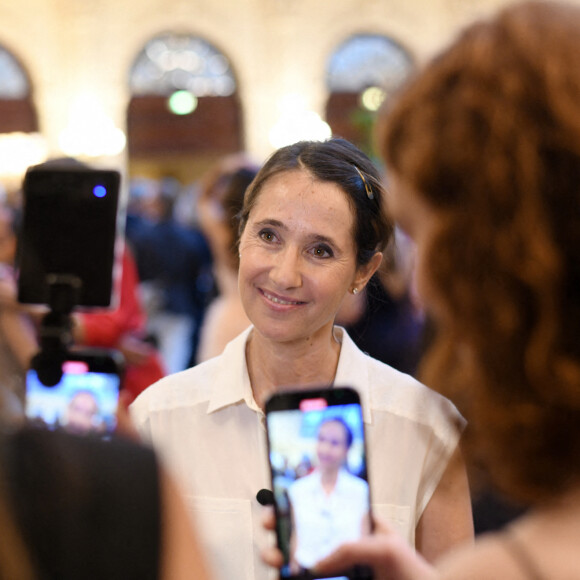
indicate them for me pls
(325, 239)
(271, 222)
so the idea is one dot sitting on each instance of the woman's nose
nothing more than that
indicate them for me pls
(285, 271)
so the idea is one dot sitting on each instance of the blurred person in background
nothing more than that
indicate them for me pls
(221, 200)
(386, 320)
(123, 328)
(173, 261)
(18, 335)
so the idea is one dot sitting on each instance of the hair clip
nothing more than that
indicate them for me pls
(369, 191)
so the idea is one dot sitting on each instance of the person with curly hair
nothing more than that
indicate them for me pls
(483, 155)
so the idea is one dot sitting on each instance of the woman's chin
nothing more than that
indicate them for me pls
(279, 333)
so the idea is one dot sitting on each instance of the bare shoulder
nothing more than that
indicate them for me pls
(488, 558)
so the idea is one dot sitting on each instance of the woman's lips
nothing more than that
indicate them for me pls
(274, 298)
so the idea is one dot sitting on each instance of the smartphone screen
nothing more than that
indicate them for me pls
(69, 227)
(83, 402)
(319, 476)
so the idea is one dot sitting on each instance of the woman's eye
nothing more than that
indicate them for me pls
(322, 252)
(267, 235)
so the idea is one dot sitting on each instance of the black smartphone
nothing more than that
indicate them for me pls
(69, 228)
(84, 401)
(318, 464)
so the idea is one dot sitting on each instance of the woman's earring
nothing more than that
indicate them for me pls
(355, 290)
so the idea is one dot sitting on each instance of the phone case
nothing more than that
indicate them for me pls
(319, 473)
(68, 235)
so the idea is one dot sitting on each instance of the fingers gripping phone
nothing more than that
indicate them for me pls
(84, 401)
(319, 476)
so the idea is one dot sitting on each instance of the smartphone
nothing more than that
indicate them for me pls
(84, 401)
(318, 465)
(69, 228)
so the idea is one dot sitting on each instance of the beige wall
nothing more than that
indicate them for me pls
(275, 46)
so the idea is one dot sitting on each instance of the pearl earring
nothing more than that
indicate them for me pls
(355, 290)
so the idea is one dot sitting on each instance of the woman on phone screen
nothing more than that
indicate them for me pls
(329, 506)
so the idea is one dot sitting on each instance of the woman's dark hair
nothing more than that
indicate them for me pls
(225, 184)
(340, 162)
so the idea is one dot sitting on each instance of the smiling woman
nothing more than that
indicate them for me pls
(312, 230)
(298, 261)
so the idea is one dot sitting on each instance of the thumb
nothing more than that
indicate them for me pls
(385, 551)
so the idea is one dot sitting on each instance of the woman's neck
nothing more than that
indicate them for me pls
(273, 365)
(328, 480)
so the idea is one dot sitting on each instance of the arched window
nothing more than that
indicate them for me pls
(17, 113)
(13, 81)
(184, 103)
(20, 143)
(181, 62)
(361, 72)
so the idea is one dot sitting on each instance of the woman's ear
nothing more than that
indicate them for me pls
(365, 273)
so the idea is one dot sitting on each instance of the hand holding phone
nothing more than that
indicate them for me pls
(319, 476)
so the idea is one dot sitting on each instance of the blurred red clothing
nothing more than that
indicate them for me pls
(123, 326)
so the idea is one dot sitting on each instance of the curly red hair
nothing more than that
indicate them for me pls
(489, 136)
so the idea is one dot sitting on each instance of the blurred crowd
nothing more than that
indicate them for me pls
(178, 297)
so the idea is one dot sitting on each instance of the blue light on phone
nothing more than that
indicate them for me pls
(99, 191)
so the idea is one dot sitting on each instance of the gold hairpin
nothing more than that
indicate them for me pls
(369, 191)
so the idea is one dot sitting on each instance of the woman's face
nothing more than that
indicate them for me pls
(332, 447)
(298, 257)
